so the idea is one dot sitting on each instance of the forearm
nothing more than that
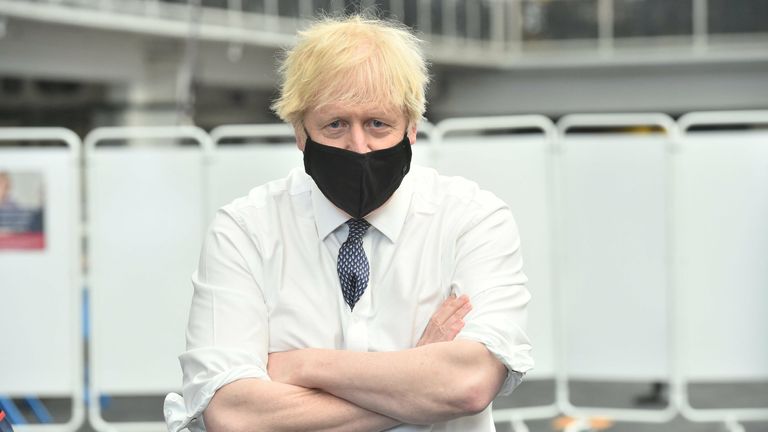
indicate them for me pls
(424, 385)
(257, 405)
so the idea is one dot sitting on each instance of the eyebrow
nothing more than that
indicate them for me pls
(344, 115)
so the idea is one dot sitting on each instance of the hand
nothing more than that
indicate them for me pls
(447, 322)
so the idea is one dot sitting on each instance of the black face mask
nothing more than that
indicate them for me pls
(357, 183)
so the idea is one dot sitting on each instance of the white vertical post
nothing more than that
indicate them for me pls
(235, 18)
(337, 6)
(152, 7)
(305, 9)
(449, 20)
(515, 25)
(700, 25)
(605, 26)
(497, 25)
(472, 13)
(424, 17)
(397, 10)
(271, 14)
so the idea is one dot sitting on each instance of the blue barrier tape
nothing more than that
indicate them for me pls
(14, 415)
(40, 411)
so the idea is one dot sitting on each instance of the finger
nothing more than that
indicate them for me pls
(462, 311)
(448, 308)
(457, 326)
(454, 330)
(457, 310)
(456, 322)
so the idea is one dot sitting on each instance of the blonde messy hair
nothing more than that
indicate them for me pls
(356, 60)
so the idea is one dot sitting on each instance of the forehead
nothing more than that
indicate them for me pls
(344, 109)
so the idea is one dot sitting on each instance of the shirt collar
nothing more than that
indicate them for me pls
(328, 217)
(387, 219)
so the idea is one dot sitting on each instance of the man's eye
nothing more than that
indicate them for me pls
(334, 124)
(377, 123)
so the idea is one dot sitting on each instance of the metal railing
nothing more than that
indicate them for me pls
(500, 33)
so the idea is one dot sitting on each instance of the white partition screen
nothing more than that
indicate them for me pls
(40, 270)
(721, 248)
(424, 148)
(264, 153)
(145, 212)
(613, 214)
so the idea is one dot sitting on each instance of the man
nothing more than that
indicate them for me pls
(358, 294)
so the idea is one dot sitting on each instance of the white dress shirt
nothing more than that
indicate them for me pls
(267, 282)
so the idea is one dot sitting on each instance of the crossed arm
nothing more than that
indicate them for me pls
(334, 390)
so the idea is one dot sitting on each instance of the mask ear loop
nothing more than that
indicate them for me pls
(405, 135)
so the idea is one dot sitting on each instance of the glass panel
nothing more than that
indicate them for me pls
(737, 16)
(478, 10)
(352, 6)
(559, 19)
(380, 8)
(288, 8)
(485, 20)
(472, 20)
(411, 9)
(322, 7)
(220, 4)
(437, 17)
(253, 6)
(638, 18)
(461, 9)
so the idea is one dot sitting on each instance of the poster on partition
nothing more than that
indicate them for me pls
(22, 207)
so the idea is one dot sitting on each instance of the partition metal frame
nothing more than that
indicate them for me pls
(669, 126)
(146, 132)
(731, 416)
(516, 416)
(249, 130)
(74, 144)
(131, 133)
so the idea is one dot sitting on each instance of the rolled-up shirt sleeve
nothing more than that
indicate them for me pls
(227, 333)
(489, 269)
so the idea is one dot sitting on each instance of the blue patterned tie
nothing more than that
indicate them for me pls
(353, 265)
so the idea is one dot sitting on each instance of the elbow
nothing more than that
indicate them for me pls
(222, 420)
(480, 388)
(217, 418)
(216, 421)
(466, 398)
(475, 397)
(226, 413)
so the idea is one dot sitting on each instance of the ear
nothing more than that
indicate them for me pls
(301, 136)
(412, 131)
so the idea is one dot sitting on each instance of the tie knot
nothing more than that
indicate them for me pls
(357, 228)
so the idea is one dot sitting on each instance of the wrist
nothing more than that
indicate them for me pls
(318, 367)
(304, 374)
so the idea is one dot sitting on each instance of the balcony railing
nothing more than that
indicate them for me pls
(500, 33)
